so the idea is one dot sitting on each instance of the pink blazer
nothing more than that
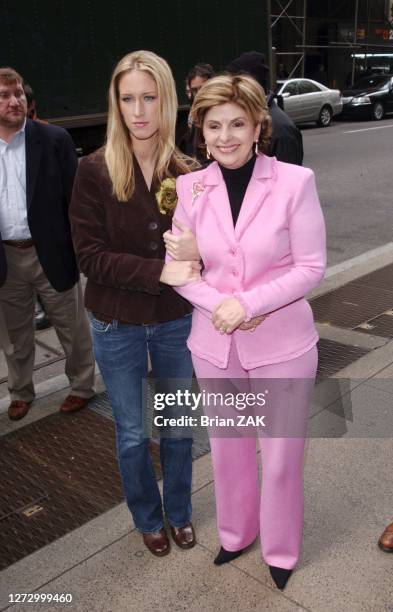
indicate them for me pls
(269, 261)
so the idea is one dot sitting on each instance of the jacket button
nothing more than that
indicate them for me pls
(153, 246)
(234, 272)
(233, 251)
(152, 225)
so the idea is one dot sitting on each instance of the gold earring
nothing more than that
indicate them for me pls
(208, 154)
(256, 148)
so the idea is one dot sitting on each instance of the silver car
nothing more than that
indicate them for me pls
(306, 100)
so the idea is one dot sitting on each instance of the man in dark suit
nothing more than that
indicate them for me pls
(37, 169)
(286, 143)
(186, 133)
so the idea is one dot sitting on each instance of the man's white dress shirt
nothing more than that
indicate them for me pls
(13, 207)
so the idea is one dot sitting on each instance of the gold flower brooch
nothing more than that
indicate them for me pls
(166, 196)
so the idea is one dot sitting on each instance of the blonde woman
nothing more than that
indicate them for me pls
(261, 236)
(123, 201)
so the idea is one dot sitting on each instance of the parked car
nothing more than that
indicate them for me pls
(306, 100)
(371, 97)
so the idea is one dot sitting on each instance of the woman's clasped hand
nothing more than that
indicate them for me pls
(228, 315)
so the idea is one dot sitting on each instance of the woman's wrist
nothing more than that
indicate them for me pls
(246, 307)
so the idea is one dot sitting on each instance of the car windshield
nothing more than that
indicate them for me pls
(371, 82)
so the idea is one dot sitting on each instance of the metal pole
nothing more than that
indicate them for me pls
(367, 33)
(355, 34)
(304, 37)
(268, 33)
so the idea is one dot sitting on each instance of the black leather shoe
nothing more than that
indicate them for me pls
(280, 576)
(157, 542)
(184, 537)
(225, 556)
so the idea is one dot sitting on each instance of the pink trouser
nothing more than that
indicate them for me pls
(276, 513)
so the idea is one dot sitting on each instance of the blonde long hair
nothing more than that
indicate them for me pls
(118, 149)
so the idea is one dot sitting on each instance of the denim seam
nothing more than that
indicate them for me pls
(179, 526)
(149, 530)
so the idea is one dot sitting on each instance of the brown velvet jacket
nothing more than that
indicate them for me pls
(120, 249)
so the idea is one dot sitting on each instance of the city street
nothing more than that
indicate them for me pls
(353, 163)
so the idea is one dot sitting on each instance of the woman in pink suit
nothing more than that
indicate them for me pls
(261, 236)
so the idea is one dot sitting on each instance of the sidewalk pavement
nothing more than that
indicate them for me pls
(348, 501)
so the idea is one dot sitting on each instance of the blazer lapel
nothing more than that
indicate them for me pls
(257, 190)
(218, 200)
(33, 159)
(143, 195)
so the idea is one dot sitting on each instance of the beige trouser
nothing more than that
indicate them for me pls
(5, 342)
(25, 278)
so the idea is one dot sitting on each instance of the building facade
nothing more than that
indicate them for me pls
(335, 40)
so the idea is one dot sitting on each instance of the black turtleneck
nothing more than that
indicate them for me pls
(236, 182)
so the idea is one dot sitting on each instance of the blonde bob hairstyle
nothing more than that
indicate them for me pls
(118, 149)
(242, 90)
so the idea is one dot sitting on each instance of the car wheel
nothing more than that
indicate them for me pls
(378, 111)
(325, 116)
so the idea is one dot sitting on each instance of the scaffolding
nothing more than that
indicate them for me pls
(290, 26)
(282, 12)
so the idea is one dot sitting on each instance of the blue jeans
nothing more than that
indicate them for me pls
(121, 352)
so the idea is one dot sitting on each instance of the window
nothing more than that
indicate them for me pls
(371, 82)
(307, 87)
(291, 89)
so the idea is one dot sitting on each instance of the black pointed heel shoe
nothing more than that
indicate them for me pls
(280, 576)
(224, 556)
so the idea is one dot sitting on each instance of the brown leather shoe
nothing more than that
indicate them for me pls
(72, 403)
(385, 542)
(184, 537)
(157, 542)
(18, 409)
